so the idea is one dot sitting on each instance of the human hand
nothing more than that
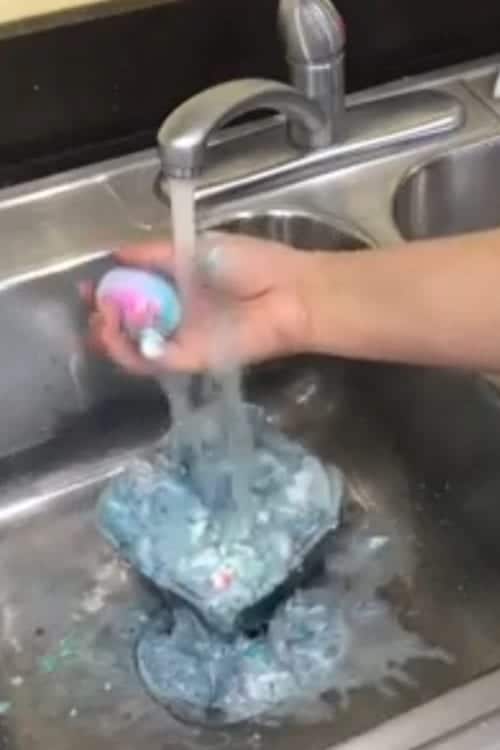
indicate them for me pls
(253, 287)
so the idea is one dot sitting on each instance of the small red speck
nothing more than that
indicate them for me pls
(222, 579)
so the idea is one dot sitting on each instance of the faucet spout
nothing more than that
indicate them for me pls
(183, 137)
(314, 35)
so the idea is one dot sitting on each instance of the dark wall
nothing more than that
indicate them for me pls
(78, 93)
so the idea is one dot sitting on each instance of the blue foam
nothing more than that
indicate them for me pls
(201, 676)
(157, 516)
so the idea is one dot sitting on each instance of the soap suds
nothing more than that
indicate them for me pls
(329, 639)
(170, 516)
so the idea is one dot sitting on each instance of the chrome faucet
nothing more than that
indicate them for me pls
(314, 37)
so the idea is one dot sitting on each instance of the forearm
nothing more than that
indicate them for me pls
(435, 303)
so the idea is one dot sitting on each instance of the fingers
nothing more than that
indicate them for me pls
(244, 267)
(224, 266)
(155, 255)
(179, 358)
(106, 338)
(158, 255)
(86, 290)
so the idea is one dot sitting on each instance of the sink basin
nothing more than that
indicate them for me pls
(453, 194)
(71, 613)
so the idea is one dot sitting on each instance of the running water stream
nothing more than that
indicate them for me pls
(220, 386)
(177, 386)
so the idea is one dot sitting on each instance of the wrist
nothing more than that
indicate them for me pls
(314, 290)
(332, 301)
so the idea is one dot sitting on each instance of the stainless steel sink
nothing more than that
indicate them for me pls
(420, 447)
(455, 193)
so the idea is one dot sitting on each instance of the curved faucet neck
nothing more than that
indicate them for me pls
(183, 137)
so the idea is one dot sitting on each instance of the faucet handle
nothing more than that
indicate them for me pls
(313, 30)
(314, 35)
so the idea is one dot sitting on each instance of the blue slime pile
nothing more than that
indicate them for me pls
(209, 679)
(173, 518)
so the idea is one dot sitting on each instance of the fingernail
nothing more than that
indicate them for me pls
(210, 261)
(152, 345)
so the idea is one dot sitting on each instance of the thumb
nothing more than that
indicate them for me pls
(236, 264)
